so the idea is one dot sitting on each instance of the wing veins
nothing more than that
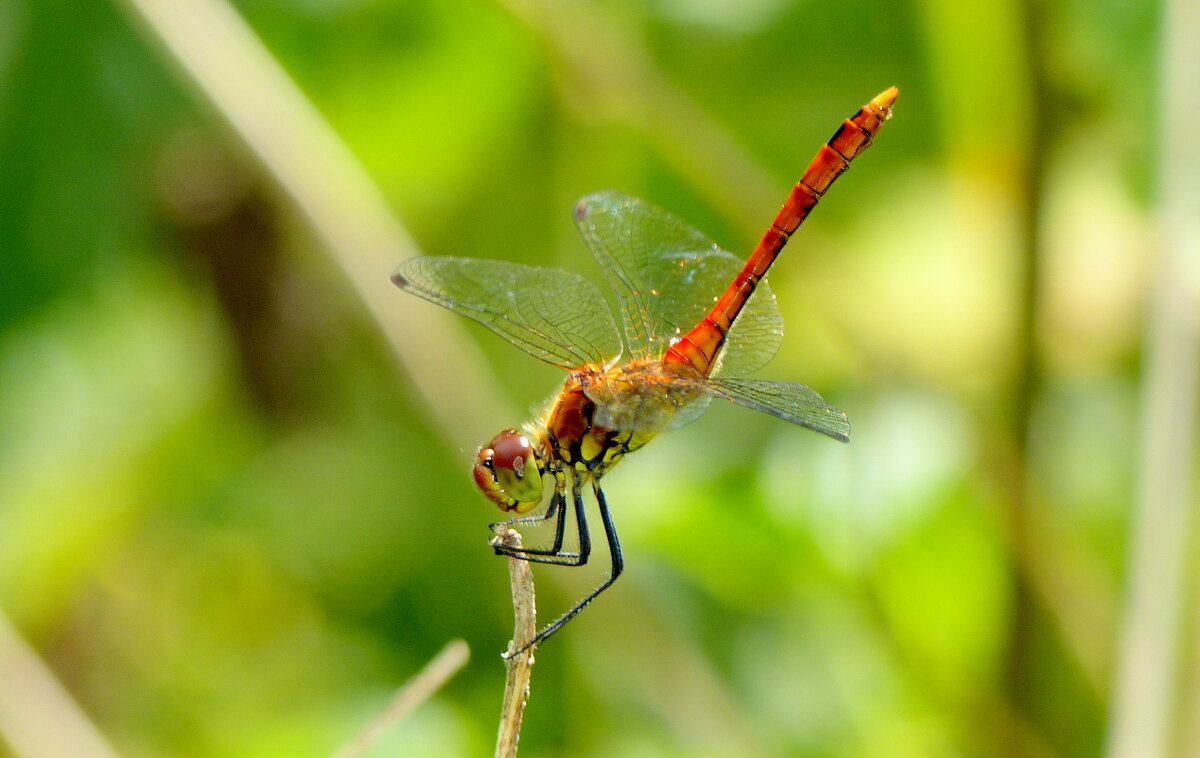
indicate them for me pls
(789, 401)
(555, 316)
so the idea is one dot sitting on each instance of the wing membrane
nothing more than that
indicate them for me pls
(653, 398)
(555, 316)
(647, 397)
(667, 275)
(755, 336)
(791, 402)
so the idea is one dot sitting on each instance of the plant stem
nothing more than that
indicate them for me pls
(1020, 675)
(1144, 712)
(225, 64)
(520, 666)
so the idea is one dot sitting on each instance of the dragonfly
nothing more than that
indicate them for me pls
(695, 321)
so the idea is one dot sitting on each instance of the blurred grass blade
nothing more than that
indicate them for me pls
(1144, 700)
(231, 69)
(415, 691)
(38, 717)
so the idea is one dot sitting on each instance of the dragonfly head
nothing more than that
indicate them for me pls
(509, 471)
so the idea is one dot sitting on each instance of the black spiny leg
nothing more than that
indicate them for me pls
(618, 565)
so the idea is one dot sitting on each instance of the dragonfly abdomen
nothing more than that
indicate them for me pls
(700, 346)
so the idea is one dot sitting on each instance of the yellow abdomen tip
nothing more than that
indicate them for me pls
(886, 98)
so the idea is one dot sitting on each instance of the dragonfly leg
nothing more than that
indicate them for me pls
(555, 554)
(618, 565)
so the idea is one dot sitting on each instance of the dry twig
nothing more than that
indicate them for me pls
(520, 665)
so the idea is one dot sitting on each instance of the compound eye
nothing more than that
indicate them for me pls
(509, 472)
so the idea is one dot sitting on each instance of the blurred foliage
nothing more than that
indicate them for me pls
(227, 526)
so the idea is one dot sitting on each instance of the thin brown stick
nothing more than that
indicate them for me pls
(39, 718)
(520, 665)
(414, 692)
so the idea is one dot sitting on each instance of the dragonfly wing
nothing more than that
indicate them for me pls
(667, 275)
(556, 316)
(754, 338)
(649, 397)
(671, 407)
(791, 402)
(656, 398)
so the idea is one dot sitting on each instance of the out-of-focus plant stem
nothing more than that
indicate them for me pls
(1019, 675)
(1144, 699)
(229, 68)
(38, 717)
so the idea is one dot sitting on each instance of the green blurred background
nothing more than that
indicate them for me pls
(234, 517)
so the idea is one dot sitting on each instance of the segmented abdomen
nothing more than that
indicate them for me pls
(700, 346)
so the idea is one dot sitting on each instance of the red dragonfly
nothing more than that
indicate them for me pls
(695, 320)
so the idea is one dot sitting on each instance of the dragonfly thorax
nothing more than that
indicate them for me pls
(593, 421)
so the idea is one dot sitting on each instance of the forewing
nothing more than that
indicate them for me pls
(553, 315)
(790, 402)
(667, 275)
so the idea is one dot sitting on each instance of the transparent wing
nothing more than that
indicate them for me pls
(790, 402)
(655, 398)
(556, 316)
(647, 397)
(755, 336)
(667, 276)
